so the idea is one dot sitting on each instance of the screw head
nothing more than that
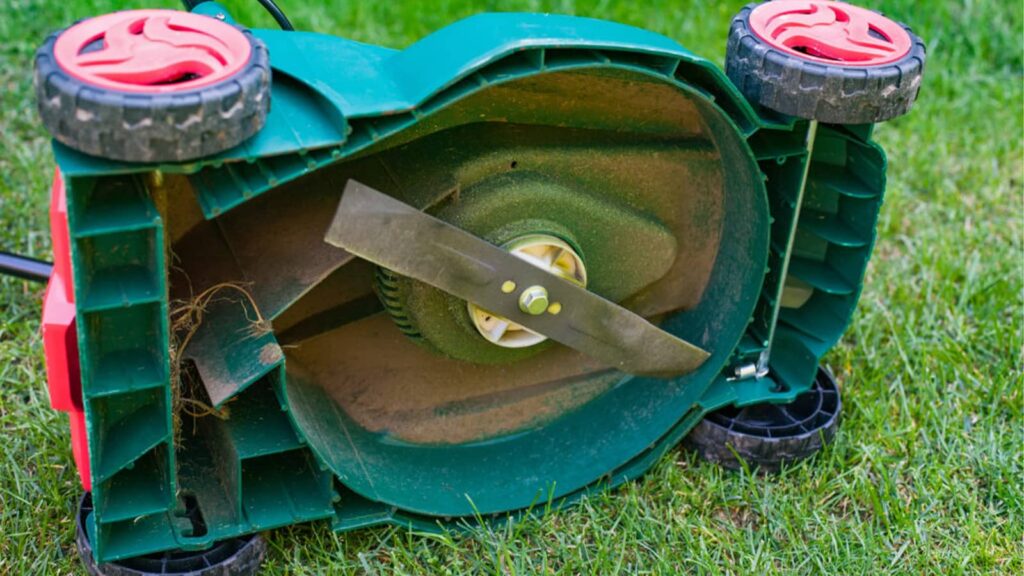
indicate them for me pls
(534, 300)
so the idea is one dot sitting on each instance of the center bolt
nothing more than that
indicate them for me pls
(534, 300)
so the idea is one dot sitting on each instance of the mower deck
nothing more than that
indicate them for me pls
(291, 329)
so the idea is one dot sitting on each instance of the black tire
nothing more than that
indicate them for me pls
(139, 127)
(769, 436)
(831, 93)
(239, 556)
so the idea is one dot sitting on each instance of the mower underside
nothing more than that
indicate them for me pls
(515, 262)
(399, 394)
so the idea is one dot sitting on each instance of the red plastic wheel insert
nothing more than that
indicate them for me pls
(830, 32)
(152, 51)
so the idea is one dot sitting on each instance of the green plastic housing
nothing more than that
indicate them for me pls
(333, 100)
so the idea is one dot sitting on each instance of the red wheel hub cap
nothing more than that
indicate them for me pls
(830, 32)
(152, 51)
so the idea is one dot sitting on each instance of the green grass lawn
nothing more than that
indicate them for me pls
(926, 474)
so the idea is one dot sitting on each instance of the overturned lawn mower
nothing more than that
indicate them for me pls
(302, 278)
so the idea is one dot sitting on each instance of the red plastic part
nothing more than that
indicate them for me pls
(60, 338)
(152, 51)
(830, 32)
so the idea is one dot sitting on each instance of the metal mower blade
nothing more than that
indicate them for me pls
(397, 236)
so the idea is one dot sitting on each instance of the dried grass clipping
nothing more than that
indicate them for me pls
(186, 316)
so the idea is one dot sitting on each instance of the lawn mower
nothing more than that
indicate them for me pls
(301, 278)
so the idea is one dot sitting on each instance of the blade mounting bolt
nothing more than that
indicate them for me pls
(534, 300)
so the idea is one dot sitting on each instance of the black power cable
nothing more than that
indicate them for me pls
(278, 15)
(24, 267)
(269, 5)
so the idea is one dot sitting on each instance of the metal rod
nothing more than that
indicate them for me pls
(24, 267)
(762, 361)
